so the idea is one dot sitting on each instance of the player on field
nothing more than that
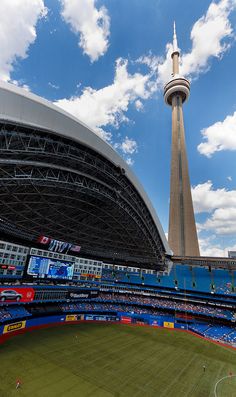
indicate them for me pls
(18, 384)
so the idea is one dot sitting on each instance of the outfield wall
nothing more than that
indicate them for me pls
(22, 326)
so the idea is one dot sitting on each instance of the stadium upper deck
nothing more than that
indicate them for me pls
(59, 179)
(214, 262)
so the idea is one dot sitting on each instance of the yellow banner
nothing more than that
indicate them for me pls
(71, 317)
(168, 324)
(14, 327)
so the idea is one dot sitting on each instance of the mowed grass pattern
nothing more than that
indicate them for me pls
(106, 360)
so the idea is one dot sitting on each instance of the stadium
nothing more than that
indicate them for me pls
(93, 301)
(55, 173)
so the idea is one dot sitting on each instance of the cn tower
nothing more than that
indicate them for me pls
(182, 235)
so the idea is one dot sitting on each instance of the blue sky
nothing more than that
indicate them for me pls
(106, 62)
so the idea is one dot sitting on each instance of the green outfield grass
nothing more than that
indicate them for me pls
(108, 360)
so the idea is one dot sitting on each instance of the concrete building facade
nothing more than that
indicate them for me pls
(182, 235)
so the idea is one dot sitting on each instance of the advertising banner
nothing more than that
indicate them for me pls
(15, 294)
(89, 317)
(104, 318)
(81, 294)
(168, 324)
(154, 323)
(95, 317)
(184, 316)
(138, 322)
(14, 327)
(126, 320)
(72, 317)
(90, 275)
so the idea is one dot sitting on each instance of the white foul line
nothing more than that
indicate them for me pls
(225, 377)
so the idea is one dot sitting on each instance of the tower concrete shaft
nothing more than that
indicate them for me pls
(182, 233)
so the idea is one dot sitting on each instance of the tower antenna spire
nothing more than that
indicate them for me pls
(175, 43)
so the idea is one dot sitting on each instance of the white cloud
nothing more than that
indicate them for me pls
(210, 248)
(206, 199)
(129, 146)
(92, 24)
(222, 221)
(219, 136)
(129, 161)
(56, 87)
(53, 31)
(160, 68)
(107, 106)
(220, 204)
(18, 21)
(138, 105)
(209, 36)
(229, 178)
(164, 68)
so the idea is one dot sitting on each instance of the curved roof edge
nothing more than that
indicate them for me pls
(20, 106)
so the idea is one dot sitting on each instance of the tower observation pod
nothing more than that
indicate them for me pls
(182, 234)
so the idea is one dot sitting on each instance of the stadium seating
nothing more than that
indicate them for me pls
(216, 332)
(13, 312)
(166, 304)
(192, 297)
(231, 337)
(4, 315)
(18, 311)
(182, 276)
(109, 307)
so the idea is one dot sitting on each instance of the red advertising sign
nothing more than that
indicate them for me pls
(184, 315)
(126, 320)
(15, 294)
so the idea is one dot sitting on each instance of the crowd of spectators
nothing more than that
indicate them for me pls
(117, 275)
(231, 337)
(224, 288)
(18, 311)
(133, 303)
(13, 312)
(4, 315)
(144, 304)
(68, 307)
(166, 304)
(109, 307)
(219, 333)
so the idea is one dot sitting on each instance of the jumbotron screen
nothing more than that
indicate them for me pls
(50, 268)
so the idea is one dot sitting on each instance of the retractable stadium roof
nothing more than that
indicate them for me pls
(59, 179)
